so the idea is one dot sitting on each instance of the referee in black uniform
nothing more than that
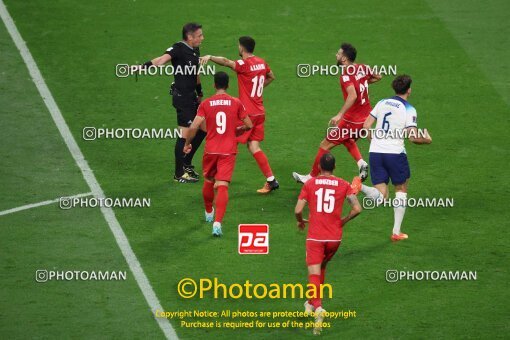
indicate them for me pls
(186, 94)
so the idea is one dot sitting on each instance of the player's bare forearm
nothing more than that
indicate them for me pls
(369, 122)
(298, 211)
(223, 61)
(349, 101)
(374, 78)
(192, 130)
(165, 58)
(414, 136)
(299, 216)
(248, 124)
(269, 79)
(355, 209)
(367, 125)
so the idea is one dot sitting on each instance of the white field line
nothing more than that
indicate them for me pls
(87, 173)
(40, 204)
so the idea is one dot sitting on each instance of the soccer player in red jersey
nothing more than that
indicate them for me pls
(349, 120)
(221, 114)
(325, 195)
(253, 74)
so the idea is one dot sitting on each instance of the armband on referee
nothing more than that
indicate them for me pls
(198, 88)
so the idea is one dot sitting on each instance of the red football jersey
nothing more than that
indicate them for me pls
(221, 113)
(251, 74)
(358, 76)
(325, 196)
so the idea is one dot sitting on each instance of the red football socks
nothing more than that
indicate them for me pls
(208, 194)
(352, 147)
(316, 281)
(221, 202)
(263, 163)
(315, 168)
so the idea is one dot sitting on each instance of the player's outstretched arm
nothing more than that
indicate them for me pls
(269, 78)
(162, 60)
(218, 60)
(349, 101)
(418, 136)
(301, 222)
(374, 78)
(165, 58)
(192, 131)
(355, 209)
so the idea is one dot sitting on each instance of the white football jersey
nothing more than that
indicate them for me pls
(393, 116)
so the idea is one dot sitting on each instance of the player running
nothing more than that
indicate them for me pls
(396, 118)
(253, 74)
(325, 196)
(349, 120)
(221, 114)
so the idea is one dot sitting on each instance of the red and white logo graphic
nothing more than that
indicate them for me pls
(253, 239)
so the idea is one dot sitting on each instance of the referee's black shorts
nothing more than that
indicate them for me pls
(186, 106)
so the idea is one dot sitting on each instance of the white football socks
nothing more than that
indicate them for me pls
(372, 193)
(399, 210)
(270, 179)
(361, 162)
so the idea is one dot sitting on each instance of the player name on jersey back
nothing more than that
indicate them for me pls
(325, 181)
(226, 102)
(257, 67)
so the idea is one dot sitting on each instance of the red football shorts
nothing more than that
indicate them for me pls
(345, 130)
(219, 167)
(320, 252)
(256, 133)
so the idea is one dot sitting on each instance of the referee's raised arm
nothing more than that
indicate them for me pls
(186, 92)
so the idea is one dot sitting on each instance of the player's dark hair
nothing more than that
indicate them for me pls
(248, 43)
(221, 80)
(327, 162)
(190, 28)
(401, 84)
(349, 51)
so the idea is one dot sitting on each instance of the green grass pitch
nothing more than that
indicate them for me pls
(457, 54)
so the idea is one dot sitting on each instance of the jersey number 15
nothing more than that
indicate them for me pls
(325, 200)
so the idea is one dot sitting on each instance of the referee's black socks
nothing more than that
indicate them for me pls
(179, 157)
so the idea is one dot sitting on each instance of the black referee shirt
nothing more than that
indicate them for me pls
(185, 63)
